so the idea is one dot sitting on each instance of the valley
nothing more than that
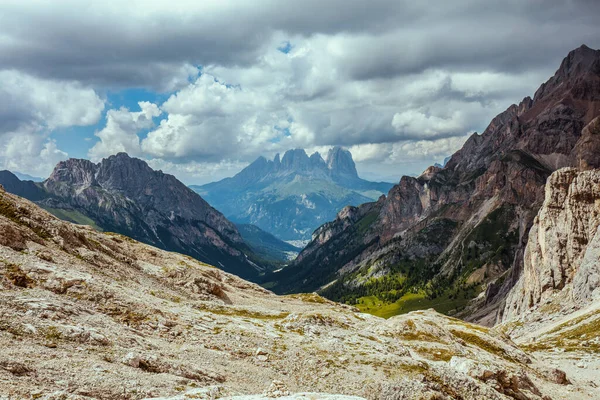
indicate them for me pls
(455, 237)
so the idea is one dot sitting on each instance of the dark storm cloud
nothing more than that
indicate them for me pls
(131, 46)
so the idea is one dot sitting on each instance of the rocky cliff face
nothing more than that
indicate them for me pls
(291, 197)
(480, 206)
(562, 250)
(123, 194)
(138, 322)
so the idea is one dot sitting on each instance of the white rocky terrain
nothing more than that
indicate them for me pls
(554, 309)
(89, 315)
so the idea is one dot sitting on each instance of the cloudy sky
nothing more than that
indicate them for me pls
(201, 88)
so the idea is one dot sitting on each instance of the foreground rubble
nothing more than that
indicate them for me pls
(89, 315)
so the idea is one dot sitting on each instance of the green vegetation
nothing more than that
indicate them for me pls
(415, 283)
(435, 353)
(365, 222)
(239, 312)
(476, 340)
(18, 277)
(72, 216)
(493, 242)
(51, 333)
(310, 298)
(579, 334)
(409, 302)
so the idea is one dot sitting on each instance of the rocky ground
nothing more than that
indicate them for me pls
(89, 315)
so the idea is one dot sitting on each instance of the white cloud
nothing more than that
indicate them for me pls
(193, 172)
(121, 131)
(417, 123)
(29, 152)
(212, 121)
(25, 99)
(30, 110)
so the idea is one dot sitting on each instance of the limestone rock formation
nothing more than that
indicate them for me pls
(90, 315)
(563, 244)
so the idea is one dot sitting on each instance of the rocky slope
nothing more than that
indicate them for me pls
(458, 233)
(91, 315)
(290, 197)
(123, 194)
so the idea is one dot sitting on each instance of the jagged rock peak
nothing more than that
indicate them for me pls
(295, 159)
(116, 171)
(340, 162)
(579, 63)
(74, 171)
(582, 58)
(317, 161)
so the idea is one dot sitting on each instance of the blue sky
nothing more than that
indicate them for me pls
(77, 140)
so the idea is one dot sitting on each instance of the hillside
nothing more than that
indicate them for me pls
(454, 237)
(124, 195)
(290, 197)
(91, 315)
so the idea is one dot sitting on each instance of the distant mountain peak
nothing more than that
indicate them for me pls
(124, 194)
(579, 59)
(75, 171)
(290, 196)
(296, 160)
(340, 163)
(576, 77)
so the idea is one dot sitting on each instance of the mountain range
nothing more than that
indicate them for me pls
(291, 196)
(454, 238)
(124, 195)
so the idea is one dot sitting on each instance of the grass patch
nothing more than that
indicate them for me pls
(435, 353)
(18, 277)
(72, 216)
(239, 312)
(310, 298)
(476, 340)
(51, 333)
(365, 222)
(407, 303)
(578, 334)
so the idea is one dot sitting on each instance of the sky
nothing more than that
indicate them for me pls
(199, 89)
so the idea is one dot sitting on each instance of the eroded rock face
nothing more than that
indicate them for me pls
(563, 243)
(137, 322)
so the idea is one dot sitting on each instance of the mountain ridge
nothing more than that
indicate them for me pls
(124, 195)
(289, 196)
